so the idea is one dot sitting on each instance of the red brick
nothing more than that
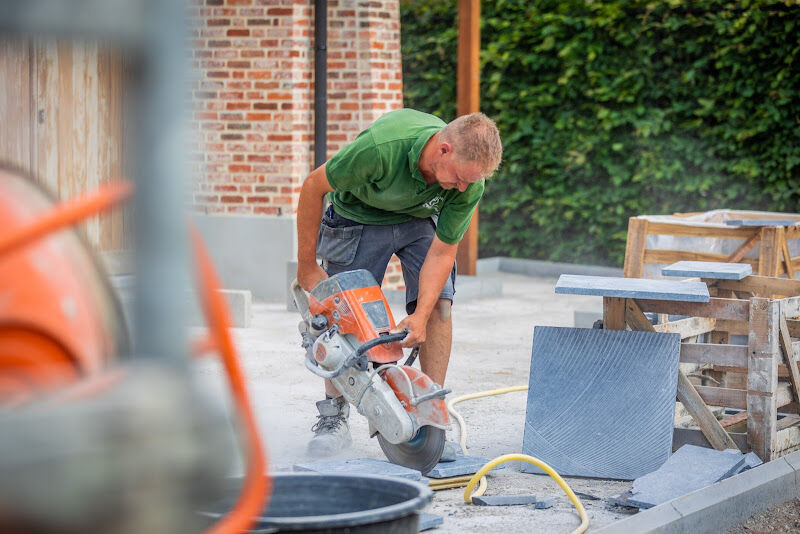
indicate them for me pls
(238, 168)
(238, 33)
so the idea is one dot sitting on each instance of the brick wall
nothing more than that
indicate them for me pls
(253, 95)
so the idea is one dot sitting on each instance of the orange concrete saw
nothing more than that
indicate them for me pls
(346, 333)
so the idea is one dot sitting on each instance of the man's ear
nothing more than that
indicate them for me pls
(445, 148)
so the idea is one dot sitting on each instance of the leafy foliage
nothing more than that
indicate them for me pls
(611, 109)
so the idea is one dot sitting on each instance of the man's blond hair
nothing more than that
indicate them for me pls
(475, 138)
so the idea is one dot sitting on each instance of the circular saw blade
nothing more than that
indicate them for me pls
(421, 453)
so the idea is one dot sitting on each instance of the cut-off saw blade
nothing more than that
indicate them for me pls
(421, 453)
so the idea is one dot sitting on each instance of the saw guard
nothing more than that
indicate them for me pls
(431, 412)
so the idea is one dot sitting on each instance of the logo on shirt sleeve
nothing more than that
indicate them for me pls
(434, 204)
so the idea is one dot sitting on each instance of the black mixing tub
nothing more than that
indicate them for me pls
(333, 504)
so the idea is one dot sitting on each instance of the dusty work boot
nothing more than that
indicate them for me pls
(332, 433)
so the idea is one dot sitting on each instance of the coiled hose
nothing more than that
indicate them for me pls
(480, 475)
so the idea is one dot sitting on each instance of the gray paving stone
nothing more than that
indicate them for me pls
(751, 460)
(463, 465)
(635, 288)
(428, 521)
(545, 503)
(504, 500)
(761, 222)
(709, 269)
(360, 466)
(587, 411)
(689, 469)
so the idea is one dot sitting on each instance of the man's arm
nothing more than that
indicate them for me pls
(432, 277)
(309, 215)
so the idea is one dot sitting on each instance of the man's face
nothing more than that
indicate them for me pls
(452, 174)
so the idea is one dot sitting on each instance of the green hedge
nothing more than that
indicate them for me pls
(611, 109)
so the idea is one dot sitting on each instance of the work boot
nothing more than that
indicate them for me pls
(332, 433)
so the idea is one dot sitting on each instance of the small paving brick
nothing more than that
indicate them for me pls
(429, 521)
(709, 269)
(547, 502)
(504, 500)
(463, 465)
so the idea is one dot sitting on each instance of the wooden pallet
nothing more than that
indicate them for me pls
(759, 308)
(774, 256)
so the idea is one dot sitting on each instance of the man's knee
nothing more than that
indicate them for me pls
(442, 308)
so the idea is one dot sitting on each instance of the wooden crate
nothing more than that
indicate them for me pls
(774, 258)
(757, 307)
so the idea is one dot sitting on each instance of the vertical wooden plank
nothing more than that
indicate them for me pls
(762, 376)
(613, 313)
(92, 121)
(789, 355)
(47, 113)
(15, 103)
(468, 101)
(110, 87)
(787, 256)
(769, 251)
(634, 248)
(66, 172)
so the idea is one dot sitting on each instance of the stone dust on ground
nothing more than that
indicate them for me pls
(779, 518)
(491, 349)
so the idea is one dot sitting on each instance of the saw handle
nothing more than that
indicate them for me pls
(380, 340)
(301, 301)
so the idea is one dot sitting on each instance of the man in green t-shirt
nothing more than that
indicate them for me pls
(407, 185)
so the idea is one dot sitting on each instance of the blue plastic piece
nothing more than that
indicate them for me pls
(633, 288)
(601, 403)
(359, 466)
(709, 269)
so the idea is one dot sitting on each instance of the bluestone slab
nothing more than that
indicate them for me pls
(463, 465)
(504, 500)
(632, 288)
(428, 521)
(601, 403)
(545, 503)
(360, 466)
(761, 222)
(709, 269)
(751, 460)
(689, 469)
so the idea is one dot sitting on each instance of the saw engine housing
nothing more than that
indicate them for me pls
(346, 333)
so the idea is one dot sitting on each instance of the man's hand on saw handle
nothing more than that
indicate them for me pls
(309, 275)
(415, 325)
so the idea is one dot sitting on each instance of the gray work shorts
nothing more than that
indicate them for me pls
(345, 245)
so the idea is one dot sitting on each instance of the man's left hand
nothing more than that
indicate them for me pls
(415, 326)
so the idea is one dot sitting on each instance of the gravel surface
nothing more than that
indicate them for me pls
(491, 349)
(779, 518)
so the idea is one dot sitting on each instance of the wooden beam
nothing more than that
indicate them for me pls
(787, 257)
(762, 286)
(741, 328)
(762, 377)
(672, 256)
(614, 313)
(693, 326)
(709, 353)
(634, 248)
(686, 393)
(769, 251)
(745, 247)
(718, 308)
(468, 101)
(738, 398)
(731, 232)
(789, 357)
(733, 420)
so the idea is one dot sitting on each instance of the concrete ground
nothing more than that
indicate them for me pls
(491, 349)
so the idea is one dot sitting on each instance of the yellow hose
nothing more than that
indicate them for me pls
(458, 482)
(462, 426)
(541, 465)
(480, 475)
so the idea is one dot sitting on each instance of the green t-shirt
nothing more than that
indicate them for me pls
(376, 178)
